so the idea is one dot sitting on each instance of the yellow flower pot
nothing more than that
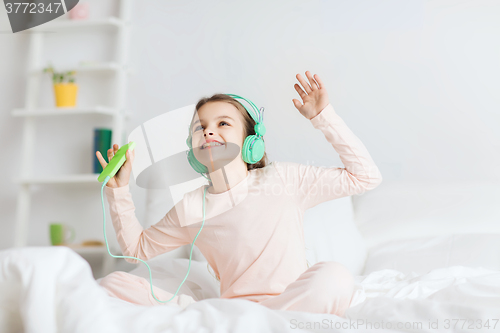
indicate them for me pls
(65, 94)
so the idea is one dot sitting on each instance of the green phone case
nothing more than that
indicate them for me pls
(116, 162)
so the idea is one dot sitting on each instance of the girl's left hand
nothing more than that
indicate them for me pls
(315, 98)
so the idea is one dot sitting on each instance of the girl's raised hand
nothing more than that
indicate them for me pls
(315, 97)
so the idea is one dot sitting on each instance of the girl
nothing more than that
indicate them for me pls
(253, 234)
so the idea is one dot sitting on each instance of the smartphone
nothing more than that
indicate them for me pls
(116, 162)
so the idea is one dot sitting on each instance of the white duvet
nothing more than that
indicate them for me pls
(51, 289)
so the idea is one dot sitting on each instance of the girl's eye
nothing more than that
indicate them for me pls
(219, 124)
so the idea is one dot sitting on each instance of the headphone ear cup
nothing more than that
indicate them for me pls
(254, 154)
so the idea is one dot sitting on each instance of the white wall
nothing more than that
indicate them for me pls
(417, 82)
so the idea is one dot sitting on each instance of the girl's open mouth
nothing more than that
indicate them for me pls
(211, 145)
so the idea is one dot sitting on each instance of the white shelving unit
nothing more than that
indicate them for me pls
(120, 26)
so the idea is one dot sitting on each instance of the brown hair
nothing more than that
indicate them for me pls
(248, 122)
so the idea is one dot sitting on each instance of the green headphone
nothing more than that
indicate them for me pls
(253, 147)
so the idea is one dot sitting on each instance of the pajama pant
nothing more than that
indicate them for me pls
(326, 287)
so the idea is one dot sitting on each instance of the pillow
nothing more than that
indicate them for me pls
(331, 235)
(421, 255)
(403, 210)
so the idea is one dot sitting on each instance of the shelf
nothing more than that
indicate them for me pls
(115, 69)
(41, 112)
(68, 25)
(86, 67)
(61, 179)
(89, 249)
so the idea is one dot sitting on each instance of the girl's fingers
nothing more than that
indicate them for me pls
(313, 83)
(304, 83)
(129, 156)
(110, 154)
(296, 103)
(132, 156)
(320, 83)
(301, 92)
(101, 159)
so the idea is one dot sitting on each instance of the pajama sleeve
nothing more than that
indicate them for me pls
(134, 240)
(312, 185)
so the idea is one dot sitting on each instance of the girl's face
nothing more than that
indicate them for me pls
(218, 121)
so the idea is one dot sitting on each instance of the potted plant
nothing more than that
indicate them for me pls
(65, 92)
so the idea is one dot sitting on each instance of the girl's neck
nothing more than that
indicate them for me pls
(234, 174)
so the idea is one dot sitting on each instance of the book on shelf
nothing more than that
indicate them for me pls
(102, 143)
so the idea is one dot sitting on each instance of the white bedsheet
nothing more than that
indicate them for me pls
(51, 289)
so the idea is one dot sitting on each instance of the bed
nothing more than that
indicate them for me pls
(441, 279)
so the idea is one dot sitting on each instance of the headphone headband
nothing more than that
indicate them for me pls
(257, 115)
(260, 112)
